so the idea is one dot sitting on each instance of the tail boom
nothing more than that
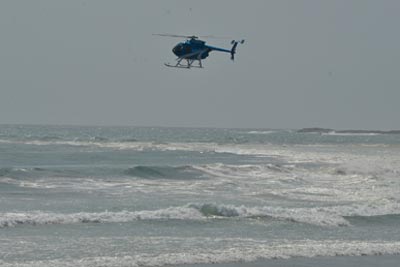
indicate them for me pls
(232, 51)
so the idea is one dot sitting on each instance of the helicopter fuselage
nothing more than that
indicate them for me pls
(192, 49)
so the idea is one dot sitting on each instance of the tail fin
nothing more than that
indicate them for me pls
(233, 50)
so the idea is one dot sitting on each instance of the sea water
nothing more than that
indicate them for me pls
(142, 196)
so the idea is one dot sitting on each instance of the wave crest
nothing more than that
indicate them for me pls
(188, 212)
(252, 252)
(164, 172)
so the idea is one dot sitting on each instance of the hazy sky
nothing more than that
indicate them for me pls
(305, 63)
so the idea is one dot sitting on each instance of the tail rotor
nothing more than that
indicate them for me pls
(233, 50)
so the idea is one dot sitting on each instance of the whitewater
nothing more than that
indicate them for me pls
(153, 196)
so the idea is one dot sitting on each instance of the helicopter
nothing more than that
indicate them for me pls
(194, 49)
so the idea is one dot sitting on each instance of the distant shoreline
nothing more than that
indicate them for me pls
(327, 130)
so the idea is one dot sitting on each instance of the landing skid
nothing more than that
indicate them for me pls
(185, 66)
(176, 66)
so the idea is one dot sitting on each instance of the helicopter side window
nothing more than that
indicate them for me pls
(178, 49)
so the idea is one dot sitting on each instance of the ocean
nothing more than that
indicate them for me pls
(153, 196)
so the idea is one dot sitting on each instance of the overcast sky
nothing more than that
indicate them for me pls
(305, 63)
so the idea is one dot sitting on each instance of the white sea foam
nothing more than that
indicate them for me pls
(362, 179)
(239, 149)
(10, 219)
(322, 216)
(301, 215)
(243, 171)
(261, 132)
(350, 134)
(319, 153)
(236, 253)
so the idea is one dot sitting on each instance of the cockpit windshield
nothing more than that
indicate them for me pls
(178, 49)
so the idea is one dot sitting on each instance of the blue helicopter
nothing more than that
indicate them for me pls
(194, 49)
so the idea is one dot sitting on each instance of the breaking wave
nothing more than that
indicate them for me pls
(18, 173)
(323, 216)
(261, 132)
(164, 172)
(253, 251)
(205, 171)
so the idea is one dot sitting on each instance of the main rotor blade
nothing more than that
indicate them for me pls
(215, 37)
(193, 36)
(175, 35)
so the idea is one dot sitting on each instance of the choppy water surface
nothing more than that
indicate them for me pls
(131, 196)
